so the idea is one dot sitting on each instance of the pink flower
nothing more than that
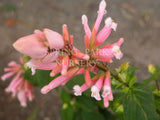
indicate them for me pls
(59, 80)
(98, 83)
(19, 86)
(79, 89)
(91, 39)
(36, 45)
(34, 64)
(97, 87)
(110, 51)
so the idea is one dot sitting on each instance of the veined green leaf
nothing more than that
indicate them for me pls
(139, 104)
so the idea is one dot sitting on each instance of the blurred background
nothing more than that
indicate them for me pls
(138, 22)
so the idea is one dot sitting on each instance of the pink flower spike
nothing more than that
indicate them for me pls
(55, 39)
(101, 12)
(31, 45)
(79, 54)
(97, 87)
(86, 26)
(106, 102)
(65, 64)
(6, 76)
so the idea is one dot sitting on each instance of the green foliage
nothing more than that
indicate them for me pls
(67, 112)
(9, 8)
(34, 114)
(139, 104)
(40, 78)
(65, 96)
(132, 101)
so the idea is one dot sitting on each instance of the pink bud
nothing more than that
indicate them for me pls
(55, 39)
(31, 45)
(86, 26)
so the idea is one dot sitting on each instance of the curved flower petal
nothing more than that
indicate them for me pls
(55, 39)
(31, 45)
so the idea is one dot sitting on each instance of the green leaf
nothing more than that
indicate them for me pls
(40, 78)
(157, 102)
(34, 114)
(67, 112)
(92, 115)
(85, 103)
(138, 103)
(65, 96)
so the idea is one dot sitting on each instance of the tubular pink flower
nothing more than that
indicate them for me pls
(109, 51)
(59, 80)
(105, 53)
(80, 71)
(106, 31)
(79, 54)
(75, 60)
(86, 26)
(86, 41)
(106, 102)
(56, 70)
(88, 78)
(71, 39)
(117, 53)
(7, 75)
(65, 33)
(79, 89)
(107, 85)
(22, 98)
(96, 88)
(33, 64)
(101, 12)
(65, 64)
(55, 39)
(19, 86)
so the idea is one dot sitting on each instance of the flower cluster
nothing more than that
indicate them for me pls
(50, 50)
(19, 86)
